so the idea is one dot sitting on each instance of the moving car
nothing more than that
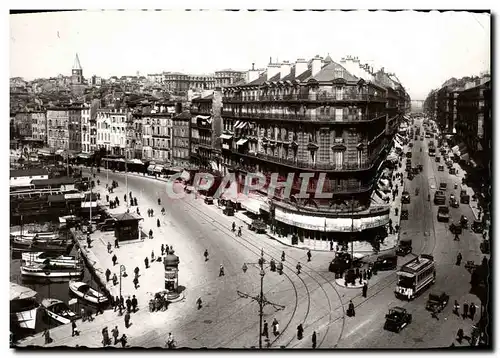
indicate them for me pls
(404, 248)
(343, 261)
(437, 159)
(405, 197)
(440, 168)
(443, 186)
(228, 211)
(404, 214)
(443, 214)
(397, 319)
(209, 200)
(464, 198)
(408, 155)
(454, 202)
(386, 262)
(107, 225)
(456, 228)
(437, 302)
(439, 198)
(452, 171)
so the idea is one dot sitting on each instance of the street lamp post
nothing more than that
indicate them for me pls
(122, 273)
(260, 298)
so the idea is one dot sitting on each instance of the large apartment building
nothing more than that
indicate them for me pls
(314, 117)
(64, 128)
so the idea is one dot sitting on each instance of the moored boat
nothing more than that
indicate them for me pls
(43, 235)
(58, 311)
(23, 306)
(51, 271)
(87, 293)
(52, 258)
(59, 246)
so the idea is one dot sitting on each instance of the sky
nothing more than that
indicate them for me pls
(422, 49)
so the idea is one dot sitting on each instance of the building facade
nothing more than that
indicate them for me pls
(179, 82)
(313, 117)
(181, 139)
(39, 126)
(134, 136)
(57, 128)
(228, 77)
(75, 129)
(103, 138)
(24, 124)
(206, 129)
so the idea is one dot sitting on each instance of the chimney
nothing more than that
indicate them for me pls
(285, 69)
(252, 74)
(300, 66)
(316, 65)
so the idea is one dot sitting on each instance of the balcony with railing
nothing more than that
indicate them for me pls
(295, 163)
(316, 118)
(304, 97)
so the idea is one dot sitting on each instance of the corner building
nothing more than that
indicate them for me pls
(316, 117)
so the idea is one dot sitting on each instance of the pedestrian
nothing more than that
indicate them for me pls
(314, 340)
(89, 241)
(391, 229)
(107, 198)
(135, 282)
(134, 303)
(150, 233)
(116, 302)
(125, 198)
(298, 267)
(105, 336)
(115, 279)
(108, 273)
(46, 334)
(350, 310)
(158, 222)
(89, 315)
(123, 340)
(109, 247)
(221, 270)
(206, 255)
(460, 335)
(456, 308)
(275, 326)
(466, 310)
(128, 302)
(365, 290)
(199, 303)
(265, 330)
(146, 262)
(82, 314)
(434, 313)
(136, 271)
(74, 331)
(170, 341)
(364, 275)
(163, 249)
(459, 259)
(117, 246)
(127, 319)
(152, 255)
(300, 332)
(357, 273)
(309, 255)
(331, 245)
(472, 310)
(283, 256)
(114, 259)
(115, 334)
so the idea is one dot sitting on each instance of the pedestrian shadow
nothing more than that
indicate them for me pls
(181, 288)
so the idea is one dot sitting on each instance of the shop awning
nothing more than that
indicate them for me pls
(242, 125)
(151, 168)
(464, 156)
(237, 124)
(225, 136)
(213, 165)
(88, 204)
(304, 221)
(241, 141)
(252, 205)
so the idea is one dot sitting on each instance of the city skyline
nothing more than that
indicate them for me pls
(449, 44)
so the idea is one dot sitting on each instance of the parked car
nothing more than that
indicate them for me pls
(397, 319)
(443, 186)
(343, 261)
(485, 246)
(452, 171)
(404, 214)
(258, 226)
(404, 247)
(408, 155)
(437, 302)
(440, 168)
(405, 197)
(456, 228)
(107, 225)
(443, 214)
(228, 211)
(437, 160)
(464, 198)
(477, 226)
(209, 200)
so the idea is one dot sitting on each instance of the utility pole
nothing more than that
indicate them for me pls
(352, 231)
(261, 300)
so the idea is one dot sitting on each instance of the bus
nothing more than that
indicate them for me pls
(415, 276)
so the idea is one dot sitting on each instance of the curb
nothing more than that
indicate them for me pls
(356, 287)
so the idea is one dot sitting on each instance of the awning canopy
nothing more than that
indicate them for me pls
(237, 124)
(241, 141)
(252, 205)
(225, 136)
(151, 168)
(455, 149)
(397, 144)
(158, 168)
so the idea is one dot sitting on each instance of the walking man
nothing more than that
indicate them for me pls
(283, 256)
(265, 330)
(472, 310)
(170, 341)
(221, 270)
(275, 325)
(108, 273)
(146, 262)
(117, 303)
(115, 279)
(466, 310)
(206, 255)
(129, 304)
(127, 319)
(350, 310)
(134, 303)
(300, 332)
(162, 249)
(298, 267)
(152, 255)
(136, 271)
(309, 255)
(314, 340)
(109, 247)
(74, 331)
(114, 259)
(116, 244)
(136, 282)
(115, 333)
(365, 290)
(123, 340)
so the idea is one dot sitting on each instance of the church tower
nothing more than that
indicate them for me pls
(77, 72)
